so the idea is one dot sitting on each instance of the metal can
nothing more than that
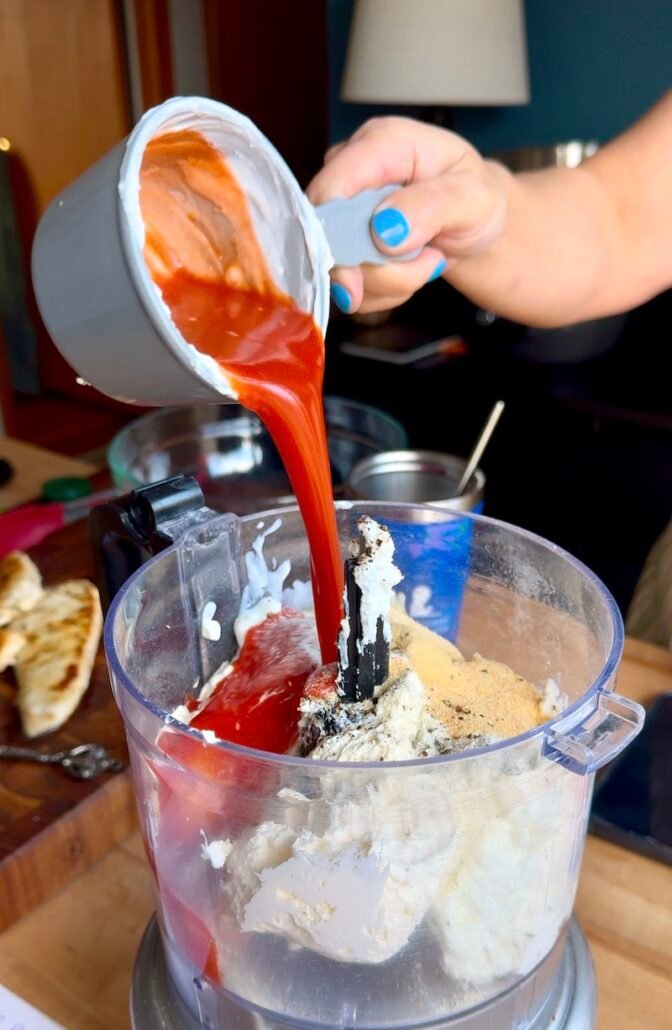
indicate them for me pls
(416, 477)
(437, 557)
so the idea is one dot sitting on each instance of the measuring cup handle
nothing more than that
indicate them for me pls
(347, 226)
(126, 532)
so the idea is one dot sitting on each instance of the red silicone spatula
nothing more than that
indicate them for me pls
(30, 524)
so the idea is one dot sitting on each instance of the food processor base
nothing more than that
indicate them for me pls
(570, 1004)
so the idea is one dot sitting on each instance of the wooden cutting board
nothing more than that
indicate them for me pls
(53, 827)
(32, 467)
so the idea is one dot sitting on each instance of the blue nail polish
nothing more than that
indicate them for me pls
(341, 297)
(439, 270)
(390, 226)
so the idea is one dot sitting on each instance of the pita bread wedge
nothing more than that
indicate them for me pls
(53, 668)
(20, 585)
(10, 645)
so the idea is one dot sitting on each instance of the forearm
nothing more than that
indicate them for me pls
(553, 264)
(586, 242)
(549, 248)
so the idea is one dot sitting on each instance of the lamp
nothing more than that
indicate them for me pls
(437, 53)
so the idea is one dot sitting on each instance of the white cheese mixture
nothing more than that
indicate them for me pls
(481, 855)
(331, 877)
(398, 727)
(482, 860)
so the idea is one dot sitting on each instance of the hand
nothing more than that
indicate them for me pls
(452, 204)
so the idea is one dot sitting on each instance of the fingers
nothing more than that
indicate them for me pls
(451, 204)
(387, 150)
(378, 287)
(347, 289)
(332, 151)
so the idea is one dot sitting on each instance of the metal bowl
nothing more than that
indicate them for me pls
(233, 457)
(569, 154)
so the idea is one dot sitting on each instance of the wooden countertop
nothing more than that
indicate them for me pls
(73, 956)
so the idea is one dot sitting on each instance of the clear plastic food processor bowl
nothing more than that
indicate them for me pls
(367, 895)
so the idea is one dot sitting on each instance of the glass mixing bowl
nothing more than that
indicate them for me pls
(234, 460)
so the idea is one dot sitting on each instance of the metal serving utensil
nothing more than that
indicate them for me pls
(83, 762)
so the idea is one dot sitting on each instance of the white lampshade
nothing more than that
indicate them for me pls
(437, 52)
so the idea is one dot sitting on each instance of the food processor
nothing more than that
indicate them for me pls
(464, 919)
(294, 892)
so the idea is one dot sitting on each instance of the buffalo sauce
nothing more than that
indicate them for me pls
(202, 252)
(259, 699)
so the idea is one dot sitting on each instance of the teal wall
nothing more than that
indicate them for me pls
(345, 118)
(595, 66)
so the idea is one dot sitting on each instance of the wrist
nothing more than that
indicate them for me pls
(486, 196)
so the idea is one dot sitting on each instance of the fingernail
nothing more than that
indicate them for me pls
(391, 226)
(341, 297)
(439, 270)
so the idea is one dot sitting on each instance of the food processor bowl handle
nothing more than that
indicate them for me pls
(588, 738)
(124, 533)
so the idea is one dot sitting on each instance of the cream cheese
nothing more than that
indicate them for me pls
(336, 881)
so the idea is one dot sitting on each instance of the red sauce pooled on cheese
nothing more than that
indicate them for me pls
(258, 701)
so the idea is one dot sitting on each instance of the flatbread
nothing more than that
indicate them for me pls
(53, 668)
(10, 645)
(20, 585)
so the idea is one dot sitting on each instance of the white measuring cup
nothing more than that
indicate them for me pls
(94, 291)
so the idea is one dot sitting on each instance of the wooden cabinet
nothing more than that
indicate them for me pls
(64, 94)
(270, 60)
(63, 84)
(76, 74)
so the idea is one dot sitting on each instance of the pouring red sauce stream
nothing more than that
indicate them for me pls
(201, 250)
